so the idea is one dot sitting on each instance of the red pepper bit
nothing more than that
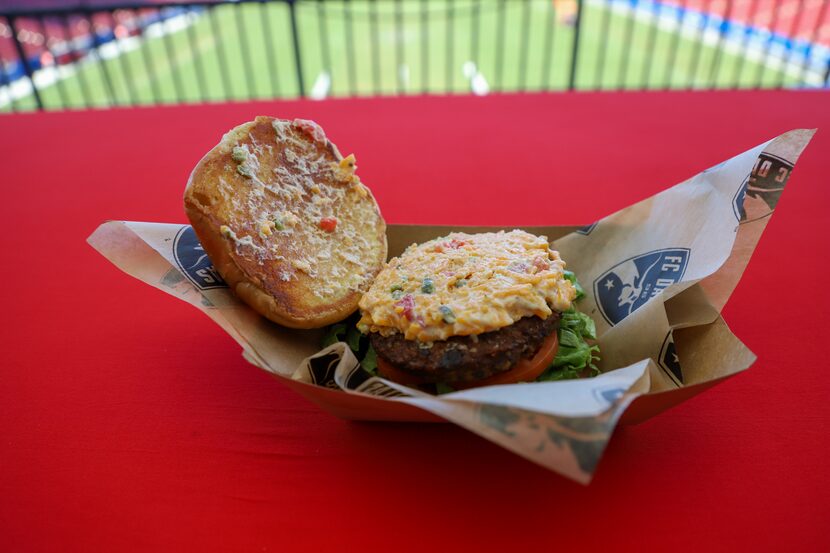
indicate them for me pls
(455, 244)
(452, 245)
(408, 304)
(312, 129)
(518, 267)
(328, 224)
(541, 264)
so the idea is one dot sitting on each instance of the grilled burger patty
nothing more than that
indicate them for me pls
(467, 358)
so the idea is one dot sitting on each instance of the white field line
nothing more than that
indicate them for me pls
(321, 86)
(403, 75)
(478, 84)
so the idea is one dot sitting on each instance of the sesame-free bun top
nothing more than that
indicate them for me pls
(287, 222)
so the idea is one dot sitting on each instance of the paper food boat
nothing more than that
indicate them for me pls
(656, 275)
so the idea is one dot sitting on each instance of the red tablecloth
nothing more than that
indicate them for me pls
(128, 421)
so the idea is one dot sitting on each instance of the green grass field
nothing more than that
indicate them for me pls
(245, 51)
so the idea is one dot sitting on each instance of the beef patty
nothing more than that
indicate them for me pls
(467, 358)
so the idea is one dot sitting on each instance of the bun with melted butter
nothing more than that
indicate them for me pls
(287, 222)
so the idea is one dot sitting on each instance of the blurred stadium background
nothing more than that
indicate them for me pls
(58, 55)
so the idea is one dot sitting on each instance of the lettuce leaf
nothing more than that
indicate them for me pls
(580, 291)
(443, 388)
(353, 338)
(575, 356)
(359, 344)
(370, 361)
(335, 333)
(579, 323)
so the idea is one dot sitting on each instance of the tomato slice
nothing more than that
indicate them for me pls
(391, 372)
(526, 370)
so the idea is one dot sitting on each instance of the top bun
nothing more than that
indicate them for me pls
(287, 222)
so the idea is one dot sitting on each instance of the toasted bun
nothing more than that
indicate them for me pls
(286, 221)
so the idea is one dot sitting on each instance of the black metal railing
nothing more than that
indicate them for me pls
(162, 52)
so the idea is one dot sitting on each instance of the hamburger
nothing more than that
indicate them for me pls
(297, 236)
(470, 310)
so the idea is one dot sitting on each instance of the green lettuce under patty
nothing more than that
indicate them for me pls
(359, 343)
(575, 357)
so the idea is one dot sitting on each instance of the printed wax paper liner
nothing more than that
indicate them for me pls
(656, 276)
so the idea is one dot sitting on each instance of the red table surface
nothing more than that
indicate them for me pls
(128, 421)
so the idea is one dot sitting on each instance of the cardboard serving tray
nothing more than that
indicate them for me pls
(656, 275)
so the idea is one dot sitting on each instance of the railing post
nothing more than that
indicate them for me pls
(26, 67)
(295, 39)
(575, 49)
